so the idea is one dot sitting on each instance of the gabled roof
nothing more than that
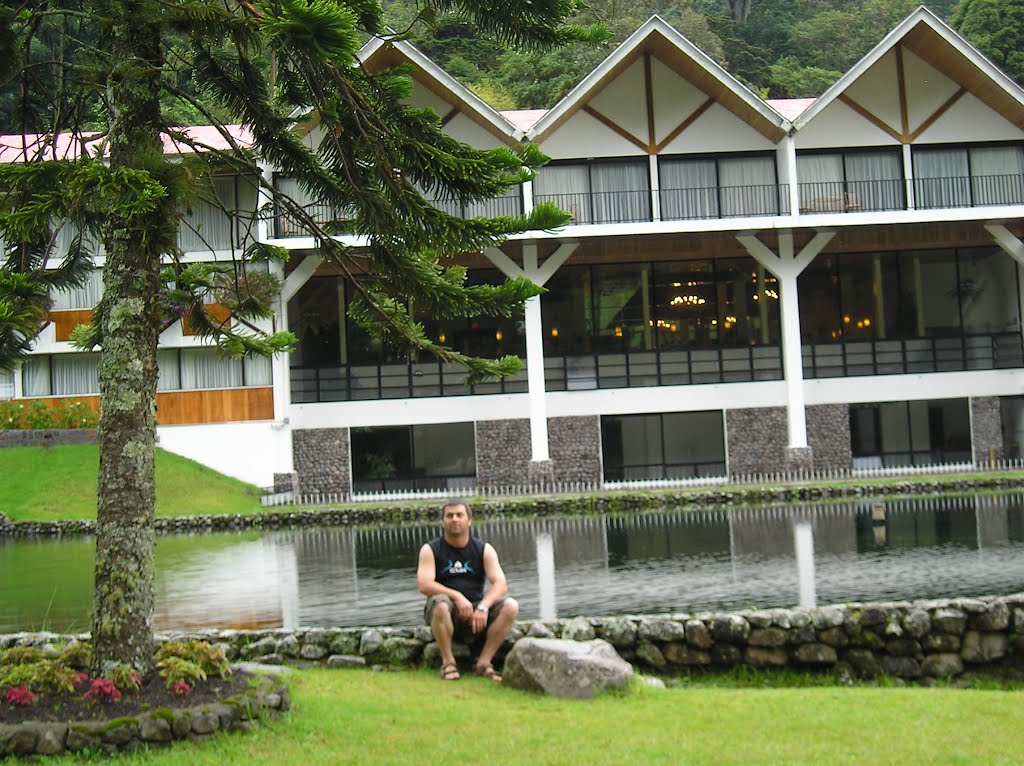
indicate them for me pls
(937, 44)
(380, 53)
(19, 147)
(658, 37)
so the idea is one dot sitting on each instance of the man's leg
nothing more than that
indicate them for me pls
(443, 628)
(498, 631)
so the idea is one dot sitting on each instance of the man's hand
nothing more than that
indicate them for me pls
(465, 609)
(478, 621)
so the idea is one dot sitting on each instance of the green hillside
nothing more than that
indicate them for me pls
(44, 484)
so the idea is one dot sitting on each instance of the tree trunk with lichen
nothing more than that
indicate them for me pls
(122, 630)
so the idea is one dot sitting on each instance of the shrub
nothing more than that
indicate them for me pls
(124, 677)
(209, 658)
(39, 414)
(77, 654)
(180, 687)
(175, 670)
(43, 676)
(21, 655)
(102, 690)
(20, 695)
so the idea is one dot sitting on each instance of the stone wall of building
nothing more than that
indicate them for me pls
(322, 461)
(986, 429)
(828, 434)
(504, 452)
(756, 440)
(575, 446)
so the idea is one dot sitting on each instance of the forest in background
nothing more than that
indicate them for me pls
(779, 48)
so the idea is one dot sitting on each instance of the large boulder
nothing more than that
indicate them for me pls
(566, 669)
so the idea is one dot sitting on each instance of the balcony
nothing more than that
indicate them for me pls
(972, 191)
(913, 355)
(852, 196)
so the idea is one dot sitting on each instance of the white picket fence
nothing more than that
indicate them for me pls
(579, 487)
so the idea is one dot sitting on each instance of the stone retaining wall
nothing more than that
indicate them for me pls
(555, 505)
(48, 437)
(159, 727)
(943, 638)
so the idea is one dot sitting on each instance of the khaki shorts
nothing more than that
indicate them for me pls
(460, 626)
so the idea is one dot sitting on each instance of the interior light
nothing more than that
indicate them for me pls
(498, 335)
(441, 338)
(618, 332)
(846, 320)
(554, 332)
(867, 322)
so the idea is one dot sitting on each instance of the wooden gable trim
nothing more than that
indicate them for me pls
(452, 114)
(649, 95)
(937, 114)
(874, 120)
(608, 123)
(901, 82)
(692, 118)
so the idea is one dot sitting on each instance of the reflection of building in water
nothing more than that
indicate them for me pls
(241, 585)
(326, 585)
(926, 522)
(993, 521)
(768, 532)
(666, 535)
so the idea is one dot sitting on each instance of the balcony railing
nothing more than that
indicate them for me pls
(724, 202)
(602, 207)
(913, 355)
(663, 368)
(392, 381)
(852, 196)
(973, 191)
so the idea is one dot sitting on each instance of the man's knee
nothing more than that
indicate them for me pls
(511, 609)
(439, 609)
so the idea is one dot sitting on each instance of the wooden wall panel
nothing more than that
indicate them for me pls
(215, 406)
(66, 321)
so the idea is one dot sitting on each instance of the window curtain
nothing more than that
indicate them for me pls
(689, 189)
(6, 384)
(35, 376)
(821, 182)
(941, 178)
(205, 226)
(84, 297)
(75, 374)
(202, 368)
(258, 371)
(874, 181)
(621, 191)
(168, 372)
(996, 173)
(748, 186)
(568, 186)
(66, 232)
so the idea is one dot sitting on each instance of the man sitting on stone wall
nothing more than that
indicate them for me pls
(451, 574)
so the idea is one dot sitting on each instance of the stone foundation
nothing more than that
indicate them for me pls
(322, 461)
(756, 440)
(504, 452)
(48, 437)
(828, 434)
(986, 429)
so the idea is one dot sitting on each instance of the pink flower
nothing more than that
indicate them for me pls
(102, 689)
(180, 687)
(20, 695)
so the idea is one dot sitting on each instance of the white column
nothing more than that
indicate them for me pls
(792, 361)
(787, 152)
(528, 197)
(535, 363)
(655, 188)
(908, 174)
(546, 575)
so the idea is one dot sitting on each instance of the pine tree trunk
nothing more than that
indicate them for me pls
(123, 619)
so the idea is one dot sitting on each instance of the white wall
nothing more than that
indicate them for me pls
(718, 130)
(838, 126)
(583, 136)
(252, 452)
(969, 120)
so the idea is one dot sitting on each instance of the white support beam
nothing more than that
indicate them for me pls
(502, 262)
(787, 266)
(554, 262)
(1007, 241)
(535, 364)
(300, 276)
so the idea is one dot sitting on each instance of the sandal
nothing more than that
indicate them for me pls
(487, 671)
(450, 672)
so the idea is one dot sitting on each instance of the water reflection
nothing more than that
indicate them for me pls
(671, 561)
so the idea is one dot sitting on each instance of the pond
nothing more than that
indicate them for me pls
(667, 561)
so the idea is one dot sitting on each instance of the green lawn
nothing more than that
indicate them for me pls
(359, 717)
(48, 484)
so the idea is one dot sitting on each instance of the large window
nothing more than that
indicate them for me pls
(848, 181)
(966, 176)
(714, 187)
(85, 296)
(910, 433)
(672, 445)
(599, 191)
(441, 456)
(6, 384)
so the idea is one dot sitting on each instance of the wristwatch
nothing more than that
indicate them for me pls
(482, 608)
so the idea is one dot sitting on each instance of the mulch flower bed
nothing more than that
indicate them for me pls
(153, 695)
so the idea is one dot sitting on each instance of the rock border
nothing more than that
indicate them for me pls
(159, 727)
(495, 508)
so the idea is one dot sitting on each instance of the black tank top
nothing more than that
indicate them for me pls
(460, 569)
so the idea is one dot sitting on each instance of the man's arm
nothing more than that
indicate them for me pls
(426, 575)
(497, 591)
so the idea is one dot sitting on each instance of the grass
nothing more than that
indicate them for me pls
(358, 717)
(57, 483)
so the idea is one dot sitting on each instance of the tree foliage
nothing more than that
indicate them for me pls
(287, 70)
(997, 28)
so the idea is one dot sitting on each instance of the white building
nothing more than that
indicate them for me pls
(745, 285)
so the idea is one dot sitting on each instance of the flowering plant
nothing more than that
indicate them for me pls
(180, 687)
(20, 695)
(102, 689)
